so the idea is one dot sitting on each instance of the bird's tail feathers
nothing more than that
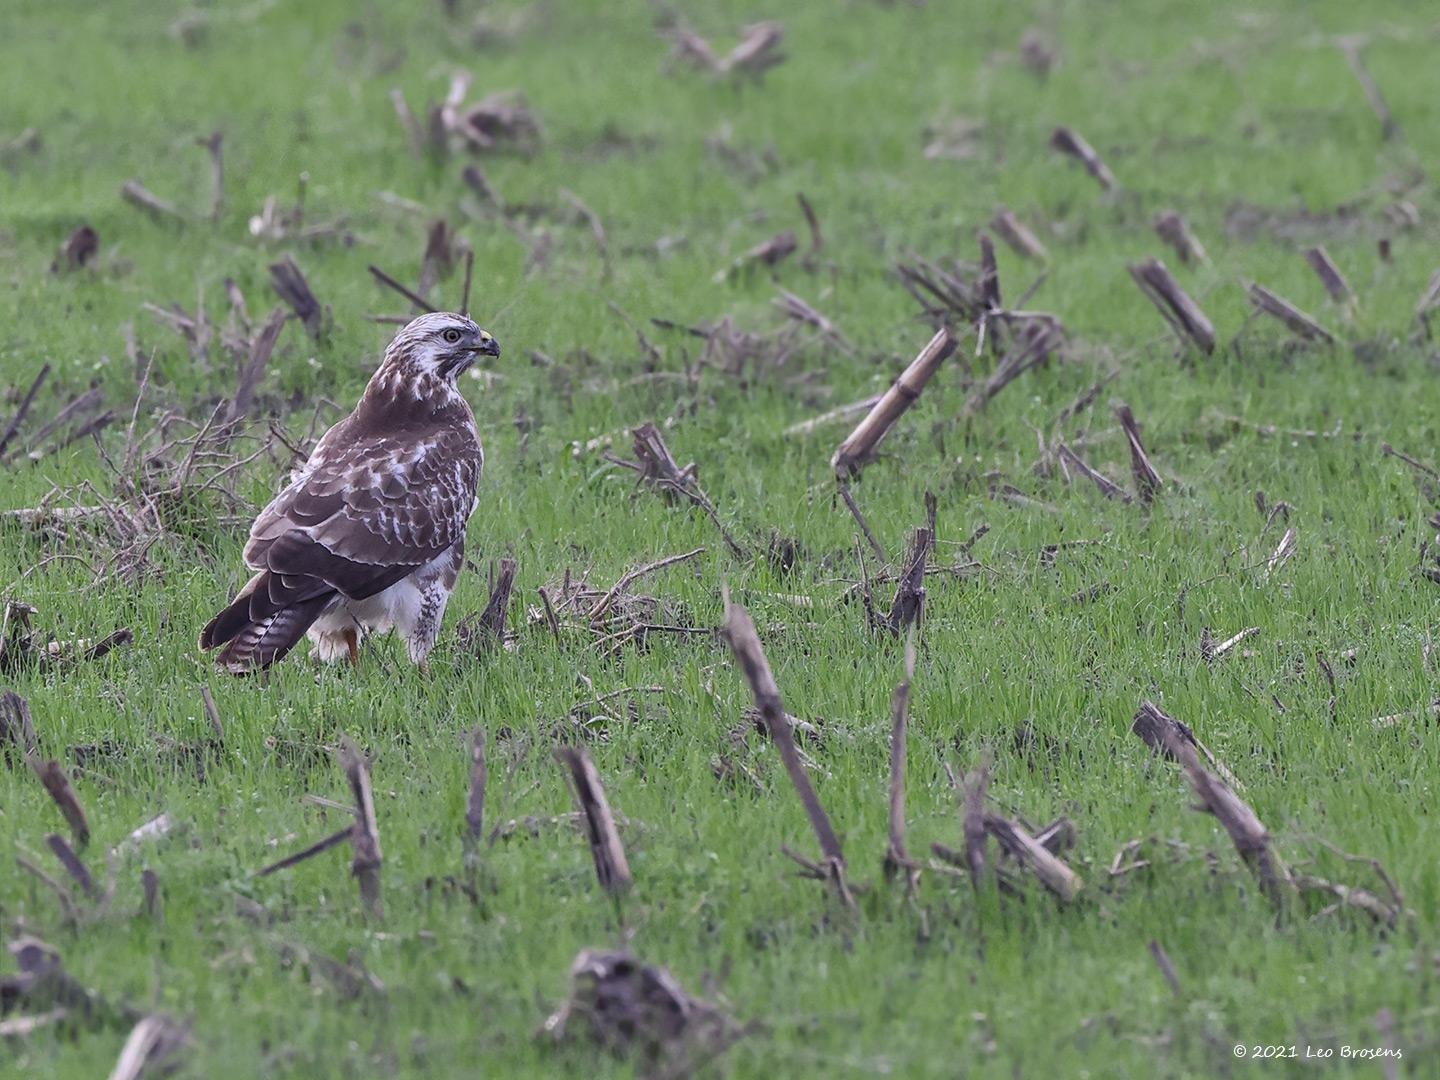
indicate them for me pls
(248, 643)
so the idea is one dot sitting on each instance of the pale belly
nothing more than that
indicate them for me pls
(413, 607)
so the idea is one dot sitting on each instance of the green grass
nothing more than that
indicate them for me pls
(1196, 107)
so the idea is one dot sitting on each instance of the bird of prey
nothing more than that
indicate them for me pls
(369, 535)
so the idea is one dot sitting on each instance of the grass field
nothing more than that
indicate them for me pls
(1243, 117)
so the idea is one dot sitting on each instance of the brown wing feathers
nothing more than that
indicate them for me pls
(353, 525)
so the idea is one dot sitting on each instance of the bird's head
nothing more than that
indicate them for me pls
(441, 344)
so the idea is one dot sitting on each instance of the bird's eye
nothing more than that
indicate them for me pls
(452, 335)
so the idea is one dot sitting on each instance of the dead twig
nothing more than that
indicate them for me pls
(659, 470)
(1350, 49)
(1017, 235)
(24, 408)
(1174, 304)
(897, 858)
(1147, 481)
(211, 143)
(750, 656)
(66, 857)
(1172, 229)
(152, 1048)
(1108, 487)
(1158, 730)
(365, 859)
(1035, 337)
(1049, 870)
(17, 729)
(1167, 969)
(261, 348)
(1072, 144)
(1216, 797)
(857, 447)
(611, 868)
(291, 286)
(1279, 308)
(908, 607)
(1329, 274)
(475, 799)
(136, 194)
(53, 777)
(333, 840)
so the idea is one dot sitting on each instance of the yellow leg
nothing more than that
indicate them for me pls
(352, 645)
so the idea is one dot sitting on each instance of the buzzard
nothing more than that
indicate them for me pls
(370, 533)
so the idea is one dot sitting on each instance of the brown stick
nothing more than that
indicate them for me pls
(660, 470)
(211, 143)
(261, 346)
(475, 800)
(1329, 275)
(1429, 300)
(861, 442)
(842, 412)
(1279, 308)
(816, 240)
(151, 1048)
(1147, 480)
(292, 288)
(1108, 487)
(413, 134)
(896, 857)
(365, 833)
(135, 193)
(597, 230)
(1167, 969)
(438, 257)
(843, 489)
(750, 655)
(973, 819)
(476, 180)
(58, 785)
(16, 726)
(469, 277)
(1039, 336)
(492, 620)
(1051, 871)
(631, 576)
(989, 274)
(29, 399)
(212, 714)
(1069, 142)
(1350, 47)
(1157, 730)
(1246, 832)
(1174, 304)
(1172, 229)
(908, 607)
(316, 848)
(1017, 235)
(611, 868)
(67, 858)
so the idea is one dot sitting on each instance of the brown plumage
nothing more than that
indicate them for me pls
(370, 532)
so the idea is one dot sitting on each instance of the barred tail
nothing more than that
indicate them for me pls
(252, 634)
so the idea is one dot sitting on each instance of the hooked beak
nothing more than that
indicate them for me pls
(488, 346)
